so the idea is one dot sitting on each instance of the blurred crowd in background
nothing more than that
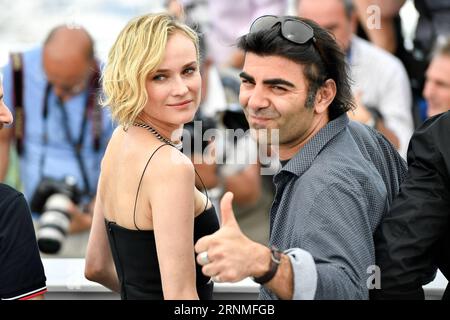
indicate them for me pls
(389, 66)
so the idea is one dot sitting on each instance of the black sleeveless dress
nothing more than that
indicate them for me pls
(134, 254)
(136, 259)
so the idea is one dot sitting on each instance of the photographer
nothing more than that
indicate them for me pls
(21, 271)
(60, 130)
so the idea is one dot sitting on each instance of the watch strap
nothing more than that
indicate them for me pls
(275, 260)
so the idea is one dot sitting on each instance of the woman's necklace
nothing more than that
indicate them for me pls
(179, 145)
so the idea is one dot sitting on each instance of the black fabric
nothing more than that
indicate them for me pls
(284, 162)
(414, 239)
(21, 269)
(136, 260)
(434, 20)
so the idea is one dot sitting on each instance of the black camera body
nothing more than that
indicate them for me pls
(49, 186)
(194, 131)
(52, 200)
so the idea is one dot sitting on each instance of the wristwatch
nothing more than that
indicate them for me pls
(275, 260)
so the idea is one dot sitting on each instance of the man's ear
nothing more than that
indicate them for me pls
(325, 96)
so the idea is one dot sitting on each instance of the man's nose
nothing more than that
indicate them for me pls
(257, 99)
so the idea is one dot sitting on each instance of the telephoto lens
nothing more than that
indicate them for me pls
(54, 223)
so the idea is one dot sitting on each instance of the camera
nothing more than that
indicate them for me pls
(52, 200)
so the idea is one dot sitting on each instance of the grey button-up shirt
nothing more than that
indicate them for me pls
(330, 198)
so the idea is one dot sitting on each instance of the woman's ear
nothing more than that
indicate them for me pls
(325, 96)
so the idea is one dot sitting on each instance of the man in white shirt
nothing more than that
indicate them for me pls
(380, 83)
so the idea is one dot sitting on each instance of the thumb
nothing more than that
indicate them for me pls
(226, 210)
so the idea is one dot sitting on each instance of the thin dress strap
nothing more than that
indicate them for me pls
(204, 188)
(142, 176)
(140, 181)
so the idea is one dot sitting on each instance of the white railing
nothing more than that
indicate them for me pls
(66, 281)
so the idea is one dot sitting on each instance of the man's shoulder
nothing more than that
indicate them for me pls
(10, 199)
(31, 56)
(434, 131)
(356, 152)
(339, 160)
(436, 123)
(9, 192)
(32, 64)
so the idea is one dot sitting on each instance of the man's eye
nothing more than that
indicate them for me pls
(278, 88)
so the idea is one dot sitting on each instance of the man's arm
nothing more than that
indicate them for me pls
(406, 240)
(337, 251)
(81, 220)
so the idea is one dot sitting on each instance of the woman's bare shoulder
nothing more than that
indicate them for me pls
(169, 162)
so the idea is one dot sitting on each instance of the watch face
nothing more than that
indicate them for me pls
(275, 260)
(276, 255)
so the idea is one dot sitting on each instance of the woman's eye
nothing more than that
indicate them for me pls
(190, 70)
(159, 77)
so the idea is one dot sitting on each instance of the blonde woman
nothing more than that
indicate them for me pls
(148, 213)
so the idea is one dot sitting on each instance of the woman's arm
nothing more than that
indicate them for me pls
(172, 203)
(99, 265)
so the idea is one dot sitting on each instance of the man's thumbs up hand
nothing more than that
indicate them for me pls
(227, 217)
(226, 255)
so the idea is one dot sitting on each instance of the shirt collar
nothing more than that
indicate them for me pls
(305, 157)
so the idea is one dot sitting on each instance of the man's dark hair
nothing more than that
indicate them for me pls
(329, 63)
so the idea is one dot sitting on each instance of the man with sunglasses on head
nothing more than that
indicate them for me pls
(60, 129)
(337, 179)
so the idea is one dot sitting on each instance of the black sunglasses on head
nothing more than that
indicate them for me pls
(293, 30)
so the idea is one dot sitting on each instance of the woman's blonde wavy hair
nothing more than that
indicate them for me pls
(137, 52)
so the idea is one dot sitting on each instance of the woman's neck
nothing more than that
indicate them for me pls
(169, 131)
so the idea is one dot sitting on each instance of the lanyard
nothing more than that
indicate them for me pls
(77, 145)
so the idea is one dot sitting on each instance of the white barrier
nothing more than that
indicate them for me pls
(66, 281)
